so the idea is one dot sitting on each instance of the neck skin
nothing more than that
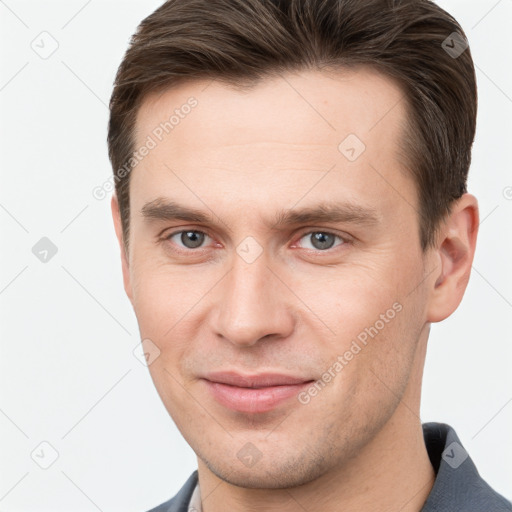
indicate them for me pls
(393, 472)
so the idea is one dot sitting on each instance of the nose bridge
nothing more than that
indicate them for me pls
(252, 304)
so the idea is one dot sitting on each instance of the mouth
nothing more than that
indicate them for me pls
(254, 393)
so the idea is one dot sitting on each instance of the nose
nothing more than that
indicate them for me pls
(253, 304)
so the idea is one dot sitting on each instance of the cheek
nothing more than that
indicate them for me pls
(168, 305)
(162, 296)
(371, 369)
(348, 301)
(371, 335)
(391, 343)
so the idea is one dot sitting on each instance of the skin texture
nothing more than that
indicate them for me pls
(242, 156)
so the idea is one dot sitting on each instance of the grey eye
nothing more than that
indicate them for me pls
(321, 240)
(192, 239)
(189, 238)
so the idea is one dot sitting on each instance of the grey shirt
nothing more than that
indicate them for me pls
(458, 486)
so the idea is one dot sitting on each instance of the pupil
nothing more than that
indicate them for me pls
(321, 240)
(192, 239)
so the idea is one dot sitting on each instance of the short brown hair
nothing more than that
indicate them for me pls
(243, 41)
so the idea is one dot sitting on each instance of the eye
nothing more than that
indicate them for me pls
(321, 240)
(190, 238)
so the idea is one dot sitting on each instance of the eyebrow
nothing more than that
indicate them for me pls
(162, 209)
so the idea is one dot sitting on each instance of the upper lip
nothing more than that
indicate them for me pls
(260, 380)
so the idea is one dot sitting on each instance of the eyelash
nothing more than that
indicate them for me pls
(344, 239)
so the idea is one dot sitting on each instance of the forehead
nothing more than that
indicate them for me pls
(284, 131)
(330, 101)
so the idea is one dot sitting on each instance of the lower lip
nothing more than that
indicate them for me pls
(253, 400)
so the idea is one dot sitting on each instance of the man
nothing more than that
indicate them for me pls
(292, 214)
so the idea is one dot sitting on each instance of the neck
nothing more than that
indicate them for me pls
(392, 472)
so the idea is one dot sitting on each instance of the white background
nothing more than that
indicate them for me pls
(68, 373)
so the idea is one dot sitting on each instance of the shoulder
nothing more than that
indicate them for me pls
(179, 503)
(458, 485)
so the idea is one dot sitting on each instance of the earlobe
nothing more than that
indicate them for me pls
(116, 217)
(455, 253)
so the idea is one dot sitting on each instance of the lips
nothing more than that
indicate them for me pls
(253, 393)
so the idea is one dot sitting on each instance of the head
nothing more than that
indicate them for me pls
(291, 198)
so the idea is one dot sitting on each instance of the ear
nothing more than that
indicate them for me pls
(454, 255)
(116, 217)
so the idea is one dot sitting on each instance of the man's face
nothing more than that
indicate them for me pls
(241, 292)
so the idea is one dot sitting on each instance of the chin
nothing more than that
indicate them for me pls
(269, 474)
